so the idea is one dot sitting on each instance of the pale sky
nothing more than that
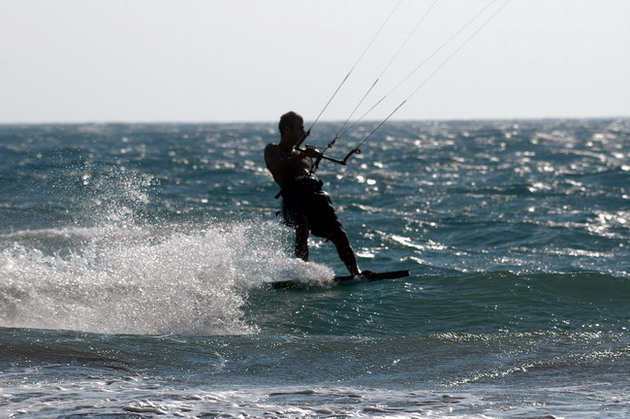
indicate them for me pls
(252, 60)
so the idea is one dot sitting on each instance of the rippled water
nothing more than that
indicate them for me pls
(134, 261)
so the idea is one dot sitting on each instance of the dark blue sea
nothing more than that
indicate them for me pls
(135, 258)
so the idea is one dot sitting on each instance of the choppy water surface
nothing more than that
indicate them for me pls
(134, 260)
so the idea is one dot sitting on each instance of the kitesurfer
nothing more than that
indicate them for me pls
(305, 205)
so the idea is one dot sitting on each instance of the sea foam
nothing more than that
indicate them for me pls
(124, 275)
(145, 280)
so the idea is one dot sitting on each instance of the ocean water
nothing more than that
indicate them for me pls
(134, 260)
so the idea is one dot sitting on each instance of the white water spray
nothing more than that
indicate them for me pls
(122, 277)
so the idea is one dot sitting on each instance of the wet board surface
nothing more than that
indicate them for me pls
(366, 276)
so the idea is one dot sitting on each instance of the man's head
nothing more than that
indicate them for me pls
(291, 127)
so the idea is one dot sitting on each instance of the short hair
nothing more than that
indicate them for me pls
(288, 120)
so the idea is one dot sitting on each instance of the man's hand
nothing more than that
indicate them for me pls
(312, 151)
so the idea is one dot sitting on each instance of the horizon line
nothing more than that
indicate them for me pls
(324, 121)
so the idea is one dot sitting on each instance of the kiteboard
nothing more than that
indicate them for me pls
(366, 276)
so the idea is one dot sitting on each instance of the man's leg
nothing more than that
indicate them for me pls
(327, 225)
(301, 240)
(294, 217)
(346, 254)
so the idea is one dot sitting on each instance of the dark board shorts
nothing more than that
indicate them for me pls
(304, 200)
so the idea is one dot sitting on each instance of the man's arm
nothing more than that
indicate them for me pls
(284, 167)
(274, 159)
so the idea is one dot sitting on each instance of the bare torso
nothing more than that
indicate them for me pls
(286, 165)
